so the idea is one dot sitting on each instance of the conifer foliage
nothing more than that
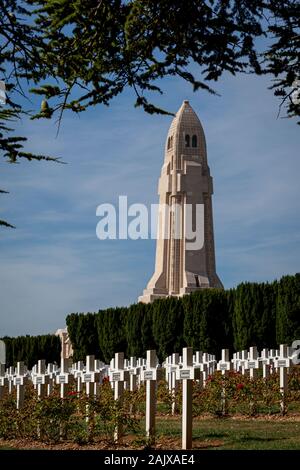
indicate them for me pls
(252, 314)
(32, 348)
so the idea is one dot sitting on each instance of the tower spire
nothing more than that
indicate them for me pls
(185, 190)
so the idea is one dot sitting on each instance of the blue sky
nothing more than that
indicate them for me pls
(53, 264)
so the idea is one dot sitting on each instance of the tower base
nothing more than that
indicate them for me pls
(151, 294)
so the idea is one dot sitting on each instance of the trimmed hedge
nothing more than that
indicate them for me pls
(252, 314)
(32, 348)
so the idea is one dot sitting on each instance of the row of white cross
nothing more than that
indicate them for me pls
(129, 374)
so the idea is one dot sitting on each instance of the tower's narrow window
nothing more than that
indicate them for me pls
(187, 140)
(169, 143)
(194, 141)
(197, 280)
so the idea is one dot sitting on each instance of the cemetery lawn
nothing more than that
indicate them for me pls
(273, 433)
(237, 433)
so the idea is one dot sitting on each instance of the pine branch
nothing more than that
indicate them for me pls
(3, 223)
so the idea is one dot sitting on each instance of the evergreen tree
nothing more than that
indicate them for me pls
(32, 348)
(288, 309)
(134, 321)
(82, 329)
(147, 329)
(266, 336)
(192, 305)
(215, 322)
(168, 326)
(111, 326)
(258, 314)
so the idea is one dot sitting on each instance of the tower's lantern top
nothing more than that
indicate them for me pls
(186, 132)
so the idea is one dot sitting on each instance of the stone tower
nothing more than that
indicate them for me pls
(185, 187)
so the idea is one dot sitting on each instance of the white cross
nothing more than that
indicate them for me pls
(207, 367)
(149, 375)
(235, 361)
(243, 360)
(264, 360)
(64, 378)
(118, 375)
(41, 379)
(212, 363)
(10, 374)
(19, 382)
(187, 374)
(51, 372)
(3, 380)
(198, 358)
(203, 362)
(172, 365)
(78, 374)
(134, 371)
(141, 363)
(224, 365)
(253, 363)
(102, 369)
(90, 377)
(283, 363)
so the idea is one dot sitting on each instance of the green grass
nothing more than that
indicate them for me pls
(237, 434)
(7, 448)
(221, 434)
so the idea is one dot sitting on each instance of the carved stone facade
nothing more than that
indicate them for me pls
(185, 181)
(66, 345)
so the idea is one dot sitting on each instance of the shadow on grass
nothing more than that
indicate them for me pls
(201, 445)
(259, 439)
(212, 434)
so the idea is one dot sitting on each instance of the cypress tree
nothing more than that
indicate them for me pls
(111, 326)
(210, 319)
(32, 348)
(134, 321)
(215, 325)
(148, 341)
(168, 326)
(192, 305)
(82, 329)
(288, 309)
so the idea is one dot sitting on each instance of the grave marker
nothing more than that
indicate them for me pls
(118, 376)
(225, 365)
(187, 374)
(283, 362)
(244, 361)
(265, 363)
(64, 378)
(149, 375)
(41, 379)
(19, 382)
(133, 372)
(78, 375)
(91, 378)
(253, 363)
(173, 381)
(51, 372)
(3, 380)
(10, 377)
